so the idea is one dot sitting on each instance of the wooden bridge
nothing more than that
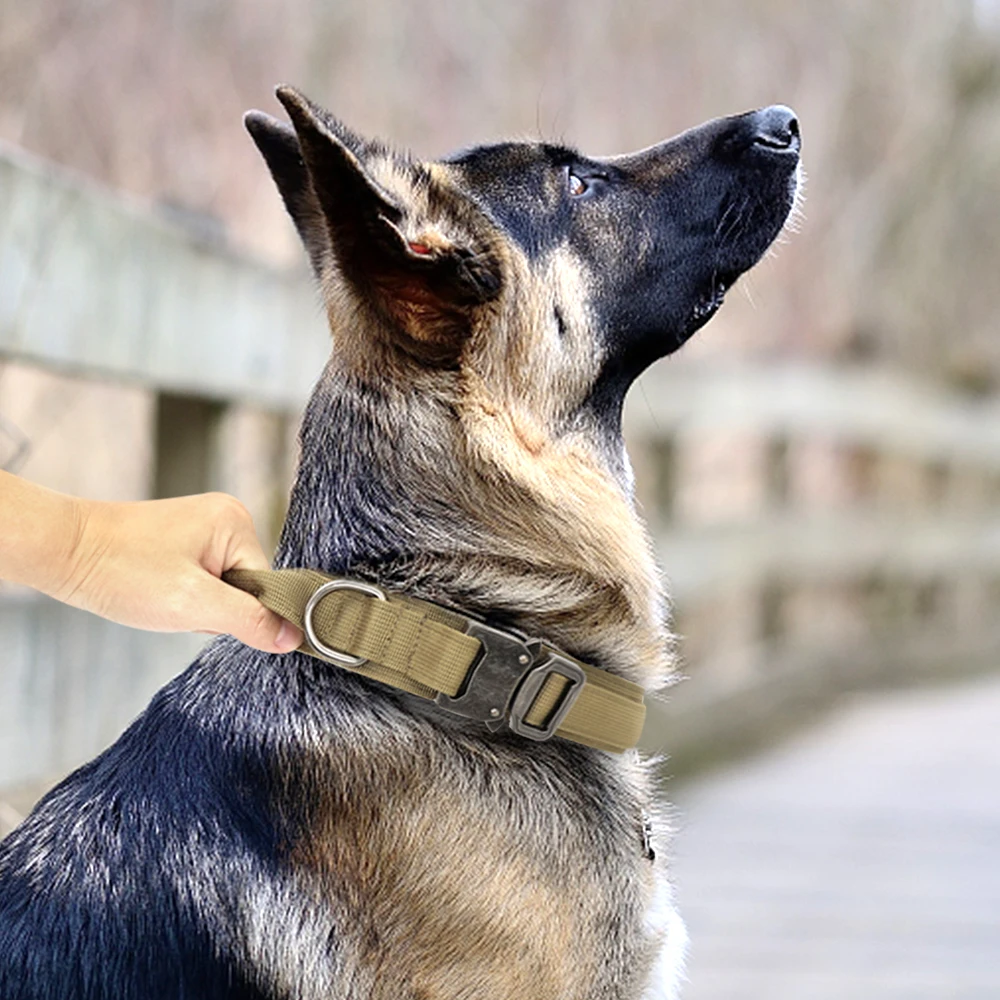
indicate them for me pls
(861, 859)
(823, 529)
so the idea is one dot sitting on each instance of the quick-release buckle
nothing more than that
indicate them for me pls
(530, 688)
(505, 681)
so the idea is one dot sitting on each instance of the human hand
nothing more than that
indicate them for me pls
(156, 564)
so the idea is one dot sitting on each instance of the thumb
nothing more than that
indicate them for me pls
(243, 616)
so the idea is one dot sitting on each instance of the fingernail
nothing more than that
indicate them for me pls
(288, 638)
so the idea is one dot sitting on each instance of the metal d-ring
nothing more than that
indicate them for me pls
(344, 659)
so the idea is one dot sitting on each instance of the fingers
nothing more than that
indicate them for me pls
(226, 608)
(244, 617)
(246, 552)
(234, 524)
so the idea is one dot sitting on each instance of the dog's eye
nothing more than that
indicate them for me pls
(576, 186)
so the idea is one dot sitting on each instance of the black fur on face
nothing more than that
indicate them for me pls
(663, 233)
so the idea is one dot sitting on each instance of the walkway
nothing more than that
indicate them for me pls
(860, 861)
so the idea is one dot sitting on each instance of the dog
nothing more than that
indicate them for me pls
(280, 828)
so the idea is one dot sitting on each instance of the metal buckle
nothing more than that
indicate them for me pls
(503, 683)
(532, 685)
(492, 680)
(344, 659)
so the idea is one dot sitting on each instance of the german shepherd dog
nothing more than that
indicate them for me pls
(273, 827)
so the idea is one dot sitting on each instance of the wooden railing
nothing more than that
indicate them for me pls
(94, 286)
(822, 529)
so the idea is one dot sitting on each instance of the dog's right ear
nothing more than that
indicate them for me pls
(279, 145)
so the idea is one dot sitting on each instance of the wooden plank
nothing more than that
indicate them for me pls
(835, 548)
(91, 283)
(71, 682)
(885, 411)
(857, 861)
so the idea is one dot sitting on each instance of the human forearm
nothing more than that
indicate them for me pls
(39, 532)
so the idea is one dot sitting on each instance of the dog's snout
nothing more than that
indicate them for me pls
(775, 128)
(768, 135)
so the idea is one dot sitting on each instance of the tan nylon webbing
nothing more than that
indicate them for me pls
(422, 648)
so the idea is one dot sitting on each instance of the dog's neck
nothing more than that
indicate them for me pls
(413, 492)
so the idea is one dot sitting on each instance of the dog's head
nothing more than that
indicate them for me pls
(537, 279)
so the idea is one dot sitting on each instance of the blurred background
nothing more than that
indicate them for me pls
(820, 467)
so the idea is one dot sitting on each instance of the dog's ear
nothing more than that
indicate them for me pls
(280, 150)
(424, 280)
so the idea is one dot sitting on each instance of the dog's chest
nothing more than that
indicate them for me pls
(435, 878)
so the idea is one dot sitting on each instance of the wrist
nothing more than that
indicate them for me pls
(85, 534)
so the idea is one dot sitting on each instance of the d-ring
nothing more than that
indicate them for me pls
(344, 659)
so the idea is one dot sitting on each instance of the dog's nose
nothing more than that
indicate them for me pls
(775, 128)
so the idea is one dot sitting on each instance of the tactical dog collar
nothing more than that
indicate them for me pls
(465, 666)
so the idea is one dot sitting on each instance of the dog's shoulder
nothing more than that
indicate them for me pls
(124, 876)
